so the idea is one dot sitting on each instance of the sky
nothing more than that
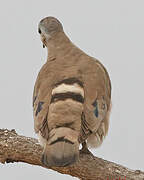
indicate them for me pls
(111, 31)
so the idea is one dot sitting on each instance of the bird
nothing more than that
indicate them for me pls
(71, 98)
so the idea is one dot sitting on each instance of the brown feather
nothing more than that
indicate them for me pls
(68, 64)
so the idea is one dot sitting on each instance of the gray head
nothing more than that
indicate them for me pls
(48, 27)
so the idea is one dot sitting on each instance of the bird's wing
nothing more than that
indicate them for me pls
(41, 101)
(97, 89)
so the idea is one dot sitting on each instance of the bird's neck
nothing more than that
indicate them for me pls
(59, 46)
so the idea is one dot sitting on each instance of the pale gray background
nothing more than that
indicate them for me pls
(113, 32)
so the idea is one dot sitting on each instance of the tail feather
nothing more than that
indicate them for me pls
(64, 122)
(61, 150)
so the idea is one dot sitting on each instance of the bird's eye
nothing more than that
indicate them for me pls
(39, 30)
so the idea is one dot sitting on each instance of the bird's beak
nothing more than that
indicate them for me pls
(43, 40)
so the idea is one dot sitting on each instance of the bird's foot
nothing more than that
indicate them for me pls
(85, 149)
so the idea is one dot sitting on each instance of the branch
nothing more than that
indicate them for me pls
(16, 148)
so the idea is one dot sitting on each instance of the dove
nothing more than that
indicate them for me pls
(71, 98)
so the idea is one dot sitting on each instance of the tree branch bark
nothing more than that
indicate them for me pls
(16, 148)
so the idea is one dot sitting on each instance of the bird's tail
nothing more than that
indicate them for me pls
(62, 148)
(64, 122)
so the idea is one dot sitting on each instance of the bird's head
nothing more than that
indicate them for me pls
(48, 27)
